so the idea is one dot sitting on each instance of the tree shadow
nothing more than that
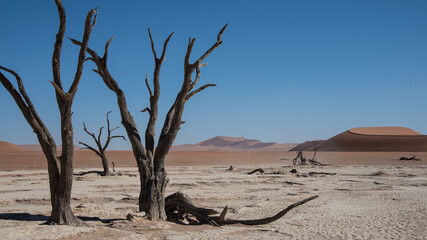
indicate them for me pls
(97, 219)
(23, 217)
(42, 218)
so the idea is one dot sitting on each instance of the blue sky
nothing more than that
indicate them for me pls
(287, 71)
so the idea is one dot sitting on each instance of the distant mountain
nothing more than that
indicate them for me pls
(222, 143)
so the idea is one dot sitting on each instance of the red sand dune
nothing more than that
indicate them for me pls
(389, 131)
(372, 139)
(9, 147)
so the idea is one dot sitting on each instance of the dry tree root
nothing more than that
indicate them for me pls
(179, 208)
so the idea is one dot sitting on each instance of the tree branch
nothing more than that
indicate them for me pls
(198, 75)
(199, 90)
(109, 137)
(217, 44)
(147, 109)
(148, 85)
(152, 45)
(82, 54)
(165, 45)
(154, 98)
(99, 136)
(89, 133)
(90, 148)
(107, 45)
(27, 100)
(189, 49)
(56, 57)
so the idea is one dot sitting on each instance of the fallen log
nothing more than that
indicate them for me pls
(413, 158)
(321, 173)
(181, 204)
(260, 170)
(88, 172)
(179, 207)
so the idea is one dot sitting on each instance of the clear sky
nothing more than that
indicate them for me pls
(287, 71)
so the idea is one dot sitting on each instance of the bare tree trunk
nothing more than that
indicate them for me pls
(60, 168)
(105, 165)
(152, 198)
(151, 167)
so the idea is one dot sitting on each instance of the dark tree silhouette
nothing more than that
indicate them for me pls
(100, 151)
(60, 168)
(150, 160)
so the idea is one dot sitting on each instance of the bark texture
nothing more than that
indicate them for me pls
(100, 149)
(60, 168)
(151, 160)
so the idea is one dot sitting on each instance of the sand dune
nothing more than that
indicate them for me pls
(9, 147)
(375, 139)
(388, 131)
(222, 143)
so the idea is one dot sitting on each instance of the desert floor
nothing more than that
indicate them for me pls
(370, 196)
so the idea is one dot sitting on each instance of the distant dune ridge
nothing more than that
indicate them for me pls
(9, 147)
(221, 143)
(37, 147)
(364, 139)
(370, 139)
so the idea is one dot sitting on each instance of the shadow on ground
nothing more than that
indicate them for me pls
(43, 218)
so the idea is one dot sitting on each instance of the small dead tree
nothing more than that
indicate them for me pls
(150, 160)
(60, 168)
(303, 160)
(101, 149)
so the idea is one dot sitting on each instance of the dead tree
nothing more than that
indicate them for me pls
(60, 168)
(150, 160)
(303, 160)
(101, 149)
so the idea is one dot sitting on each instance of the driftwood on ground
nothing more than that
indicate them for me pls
(89, 172)
(179, 208)
(413, 158)
(260, 170)
(321, 173)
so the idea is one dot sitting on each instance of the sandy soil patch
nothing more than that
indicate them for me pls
(358, 202)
